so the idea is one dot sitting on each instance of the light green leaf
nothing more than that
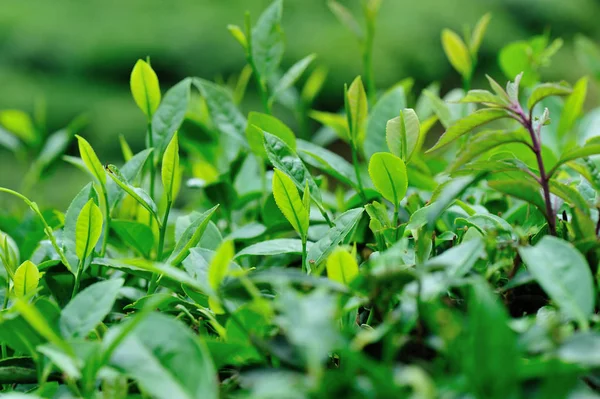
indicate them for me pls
(191, 236)
(468, 123)
(267, 40)
(522, 188)
(343, 225)
(386, 108)
(588, 54)
(591, 147)
(171, 177)
(130, 171)
(145, 88)
(70, 228)
(388, 173)
(341, 266)
(345, 17)
(89, 308)
(137, 193)
(327, 161)
(88, 229)
(486, 141)
(336, 122)
(443, 196)
(167, 360)
(277, 246)
(570, 195)
(285, 159)
(458, 261)
(19, 124)
(26, 279)
(289, 202)
(483, 97)
(219, 266)
(224, 114)
(91, 161)
(573, 107)
(313, 85)
(544, 90)
(562, 271)
(457, 52)
(478, 33)
(291, 76)
(238, 35)
(259, 123)
(356, 111)
(135, 235)
(439, 107)
(169, 116)
(403, 134)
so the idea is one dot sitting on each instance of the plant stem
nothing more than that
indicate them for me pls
(361, 190)
(106, 222)
(395, 219)
(4, 306)
(368, 61)
(152, 164)
(304, 268)
(78, 278)
(161, 243)
(536, 140)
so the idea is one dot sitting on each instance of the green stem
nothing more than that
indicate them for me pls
(152, 163)
(4, 306)
(78, 278)
(47, 228)
(161, 243)
(106, 223)
(361, 190)
(304, 254)
(395, 219)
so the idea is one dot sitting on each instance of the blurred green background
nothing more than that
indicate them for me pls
(76, 56)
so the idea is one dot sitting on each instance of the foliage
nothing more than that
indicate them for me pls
(469, 269)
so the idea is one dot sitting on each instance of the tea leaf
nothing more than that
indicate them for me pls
(343, 225)
(91, 161)
(26, 279)
(291, 76)
(385, 109)
(135, 192)
(130, 171)
(89, 307)
(544, 90)
(564, 274)
(170, 173)
(327, 161)
(278, 246)
(257, 123)
(136, 235)
(573, 107)
(69, 237)
(457, 52)
(483, 97)
(388, 173)
(18, 123)
(346, 18)
(267, 40)
(341, 266)
(289, 202)
(478, 33)
(191, 236)
(356, 111)
(169, 116)
(468, 123)
(403, 134)
(145, 88)
(88, 229)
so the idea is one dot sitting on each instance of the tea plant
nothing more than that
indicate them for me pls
(234, 258)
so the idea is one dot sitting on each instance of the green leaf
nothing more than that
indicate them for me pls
(544, 90)
(89, 308)
(486, 141)
(457, 52)
(343, 225)
(483, 97)
(346, 18)
(564, 274)
(278, 246)
(443, 196)
(137, 193)
(570, 195)
(385, 109)
(588, 54)
(191, 236)
(224, 114)
(167, 360)
(70, 229)
(56, 144)
(478, 33)
(238, 35)
(259, 123)
(26, 279)
(169, 116)
(19, 124)
(388, 174)
(356, 111)
(327, 161)
(403, 134)
(289, 202)
(170, 173)
(468, 123)
(135, 235)
(285, 159)
(336, 122)
(439, 107)
(341, 266)
(267, 40)
(91, 161)
(291, 76)
(313, 85)
(145, 88)
(573, 107)
(219, 265)
(591, 147)
(522, 188)
(490, 349)
(88, 229)
(458, 261)
(130, 171)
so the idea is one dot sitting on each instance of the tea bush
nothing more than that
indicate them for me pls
(234, 257)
